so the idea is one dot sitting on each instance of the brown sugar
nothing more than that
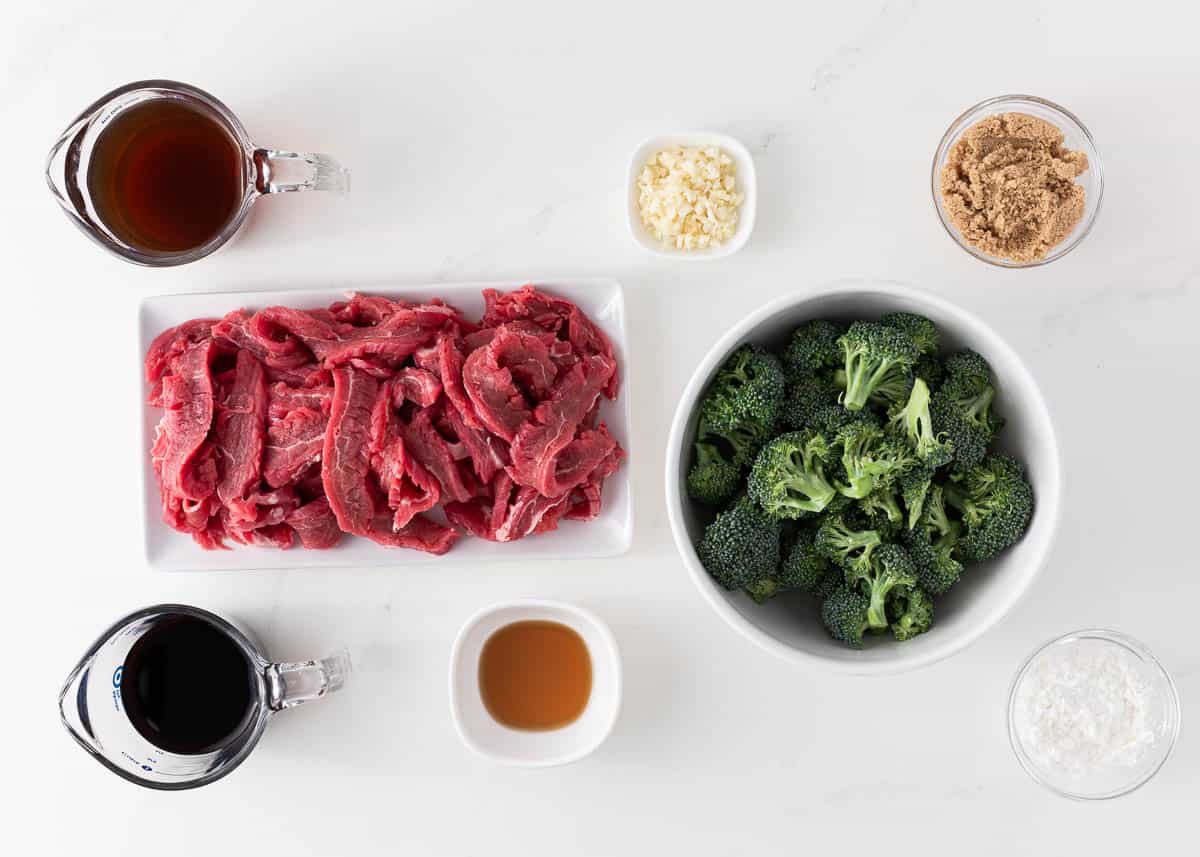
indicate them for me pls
(1009, 188)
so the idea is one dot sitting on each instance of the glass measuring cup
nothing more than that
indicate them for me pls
(94, 712)
(262, 171)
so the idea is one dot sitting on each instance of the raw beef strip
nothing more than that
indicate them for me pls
(345, 462)
(294, 443)
(585, 499)
(167, 346)
(273, 350)
(530, 512)
(424, 443)
(550, 313)
(527, 357)
(282, 399)
(496, 401)
(239, 429)
(421, 534)
(419, 386)
(393, 340)
(309, 374)
(188, 399)
(540, 443)
(488, 453)
(315, 524)
(410, 488)
(365, 310)
(279, 536)
(481, 517)
(260, 509)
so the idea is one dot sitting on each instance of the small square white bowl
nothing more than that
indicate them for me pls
(747, 184)
(499, 743)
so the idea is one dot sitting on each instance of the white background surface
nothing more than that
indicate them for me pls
(490, 141)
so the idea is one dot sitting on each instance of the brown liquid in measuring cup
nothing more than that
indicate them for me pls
(165, 177)
(535, 675)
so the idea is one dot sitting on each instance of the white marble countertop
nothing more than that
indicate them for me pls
(489, 141)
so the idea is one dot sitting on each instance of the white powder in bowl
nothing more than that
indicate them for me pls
(1087, 706)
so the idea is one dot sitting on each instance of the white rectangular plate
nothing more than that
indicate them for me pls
(608, 535)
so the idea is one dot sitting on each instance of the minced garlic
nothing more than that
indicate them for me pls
(688, 198)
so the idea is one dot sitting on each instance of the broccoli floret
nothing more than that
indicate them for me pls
(918, 328)
(813, 348)
(840, 543)
(808, 401)
(788, 477)
(883, 512)
(930, 370)
(915, 485)
(933, 545)
(960, 409)
(844, 612)
(889, 569)
(712, 479)
(740, 546)
(745, 440)
(878, 362)
(871, 459)
(996, 504)
(910, 612)
(802, 568)
(914, 424)
(749, 387)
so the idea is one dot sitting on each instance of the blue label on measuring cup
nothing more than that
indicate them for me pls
(117, 675)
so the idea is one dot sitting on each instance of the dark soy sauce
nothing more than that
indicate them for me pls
(165, 177)
(186, 687)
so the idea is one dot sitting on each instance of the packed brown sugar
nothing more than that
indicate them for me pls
(1009, 187)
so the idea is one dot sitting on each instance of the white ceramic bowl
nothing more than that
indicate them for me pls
(499, 743)
(788, 625)
(746, 183)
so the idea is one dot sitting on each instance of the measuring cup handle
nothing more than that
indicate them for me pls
(285, 172)
(291, 684)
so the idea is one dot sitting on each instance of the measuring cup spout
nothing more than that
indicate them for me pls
(72, 707)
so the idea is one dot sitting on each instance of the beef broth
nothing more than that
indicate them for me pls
(165, 177)
(535, 675)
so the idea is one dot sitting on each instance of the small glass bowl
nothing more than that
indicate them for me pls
(1076, 137)
(1164, 718)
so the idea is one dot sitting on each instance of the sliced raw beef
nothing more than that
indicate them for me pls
(346, 460)
(272, 349)
(423, 442)
(288, 425)
(540, 443)
(282, 399)
(239, 428)
(419, 386)
(315, 525)
(187, 396)
(294, 444)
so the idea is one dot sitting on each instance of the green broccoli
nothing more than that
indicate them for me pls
(929, 369)
(813, 348)
(749, 387)
(840, 543)
(712, 479)
(996, 504)
(960, 409)
(933, 545)
(889, 569)
(871, 459)
(788, 477)
(803, 568)
(878, 362)
(910, 611)
(808, 402)
(883, 512)
(913, 423)
(918, 328)
(740, 546)
(914, 488)
(844, 612)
